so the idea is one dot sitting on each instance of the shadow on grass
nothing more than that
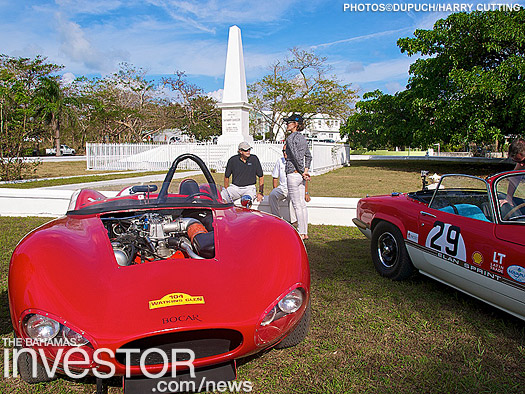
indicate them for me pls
(477, 169)
(5, 317)
(347, 263)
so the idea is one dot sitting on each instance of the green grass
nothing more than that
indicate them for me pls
(387, 176)
(368, 334)
(383, 152)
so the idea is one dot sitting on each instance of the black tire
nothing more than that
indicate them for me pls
(299, 332)
(25, 369)
(389, 252)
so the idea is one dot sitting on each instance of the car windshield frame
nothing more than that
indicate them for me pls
(484, 191)
(207, 195)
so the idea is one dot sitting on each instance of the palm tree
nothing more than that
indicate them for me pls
(52, 106)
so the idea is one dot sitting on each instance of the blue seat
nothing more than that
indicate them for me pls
(466, 210)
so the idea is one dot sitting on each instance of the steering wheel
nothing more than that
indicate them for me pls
(191, 196)
(513, 210)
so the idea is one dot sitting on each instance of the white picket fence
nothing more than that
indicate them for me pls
(109, 157)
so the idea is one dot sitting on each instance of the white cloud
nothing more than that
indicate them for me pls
(78, 48)
(362, 38)
(374, 72)
(217, 95)
(353, 67)
(96, 7)
(67, 78)
(394, 87)
(203, 15)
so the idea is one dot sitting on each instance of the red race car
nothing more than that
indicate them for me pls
(468, 233)
(159, 288)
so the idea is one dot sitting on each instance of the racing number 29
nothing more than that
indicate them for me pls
(452, 238)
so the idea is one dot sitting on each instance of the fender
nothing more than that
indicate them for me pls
(389, 218)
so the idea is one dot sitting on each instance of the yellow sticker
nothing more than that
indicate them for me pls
(477, 258)
(176, 299)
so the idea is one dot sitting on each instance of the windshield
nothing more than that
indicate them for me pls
(510, 191)
(463, 195)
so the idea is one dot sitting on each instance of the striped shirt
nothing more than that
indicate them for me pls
(297, 152)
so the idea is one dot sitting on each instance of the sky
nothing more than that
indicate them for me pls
(90, 38)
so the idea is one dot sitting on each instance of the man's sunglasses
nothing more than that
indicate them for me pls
(246, 150)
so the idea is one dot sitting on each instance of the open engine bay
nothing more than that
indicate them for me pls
(145, 236)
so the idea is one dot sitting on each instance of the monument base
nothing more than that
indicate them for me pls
(235, 123)
(233, 139)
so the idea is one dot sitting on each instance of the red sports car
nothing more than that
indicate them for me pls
(151, 285)
(468, 233)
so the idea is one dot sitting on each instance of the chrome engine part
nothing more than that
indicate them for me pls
(151, 236)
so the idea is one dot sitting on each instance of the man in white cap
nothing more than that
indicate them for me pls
(244, 168)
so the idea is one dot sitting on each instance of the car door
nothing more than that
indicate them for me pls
(456, 238)
(509, 250)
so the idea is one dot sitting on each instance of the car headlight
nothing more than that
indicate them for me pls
(281, 317)
(291, 301)
(43, 328)
(73, 337)
(270, 316)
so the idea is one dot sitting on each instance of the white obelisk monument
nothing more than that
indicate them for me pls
(235, 107)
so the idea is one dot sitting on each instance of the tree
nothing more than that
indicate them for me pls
(197, 114)
(115, 108)
(20, 78)
(300, 84)
(381, 120)
(53, 106)
(468, 84)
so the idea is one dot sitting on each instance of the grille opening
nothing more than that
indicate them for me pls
(204, 343)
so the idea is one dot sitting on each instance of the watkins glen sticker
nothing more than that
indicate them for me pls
(411, 236)
(517, 273)
(176, 299)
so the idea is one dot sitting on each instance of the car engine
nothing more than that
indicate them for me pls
(141, 237)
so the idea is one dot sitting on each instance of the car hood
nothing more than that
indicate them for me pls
(67, 268)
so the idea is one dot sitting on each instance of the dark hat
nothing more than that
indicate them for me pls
(294, 118)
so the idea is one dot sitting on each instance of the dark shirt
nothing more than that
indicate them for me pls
(243, 173)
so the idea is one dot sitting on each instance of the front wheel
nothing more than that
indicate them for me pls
(299, 332)
(25, 365)
(389, 252)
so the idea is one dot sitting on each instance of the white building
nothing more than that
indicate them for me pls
(319, 127)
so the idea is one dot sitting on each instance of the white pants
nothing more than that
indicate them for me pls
(234, 192)
(278, 194)
(296, 191)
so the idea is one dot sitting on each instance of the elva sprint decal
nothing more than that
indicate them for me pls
(176, 299)
(472, 267)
